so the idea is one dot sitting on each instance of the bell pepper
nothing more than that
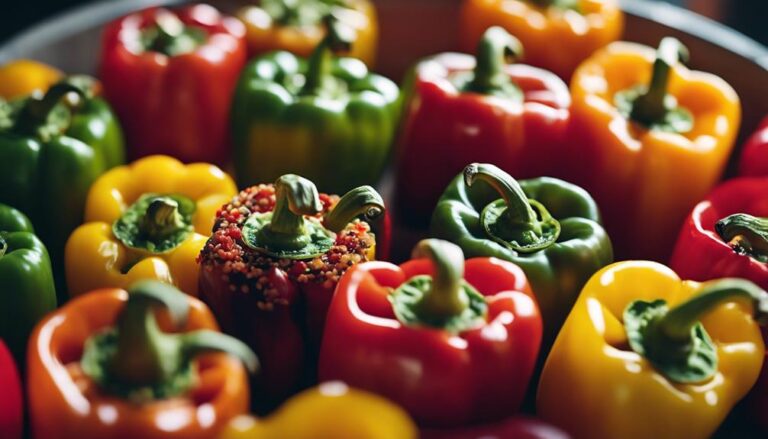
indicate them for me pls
(653, 138)
(271, 267)
(170, 76)
(296, 27)
(58, 145)
(107, 365)
(557, 34)
(24, 77)
(146, 220)
(754, 155)
(27, 290)
(517, 427)
(464, 109)
(548, 227)
(453, 343)
(12, 402)
(330, 410)
(325, 118)
(646, 355)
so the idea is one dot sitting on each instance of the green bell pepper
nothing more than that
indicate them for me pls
(325, 118)
(548, 227)
(58, 145)
(26, 281)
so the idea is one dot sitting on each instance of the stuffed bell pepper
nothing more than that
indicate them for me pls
(646, 355)
(147, 220)
(326, 118)
(27, 290)
(144, 363)
(297, 26)
(271, 267)
(557, 34)
(330, 410)
(652, 138)
(461, 109)
(24, 77)
(56, 145)
(548, 227)
(452, 342)
(754, 155)
(12, 402)
(170, 76)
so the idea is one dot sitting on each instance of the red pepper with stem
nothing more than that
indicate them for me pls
(466, 109)
(170, 76)
(754, 156)
(453, 343)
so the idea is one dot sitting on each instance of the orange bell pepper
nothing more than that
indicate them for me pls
(298, 27)
(557, 34)
(24, 77)
(651, 138)
(100, 367)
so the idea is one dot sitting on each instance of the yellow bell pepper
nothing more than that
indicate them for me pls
(646, 355)
(330, 411)
(23, 77)
(147, 220)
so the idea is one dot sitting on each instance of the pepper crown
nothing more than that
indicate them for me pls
(746, 234)
(319, 79)
(675, 341)
(156, 223)
(300, 13)
(138, 361)
(445, 300)
(496, 49)
(561, 4)
(170, 36)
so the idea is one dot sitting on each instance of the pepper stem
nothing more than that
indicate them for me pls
(170, 36)
(651, 107)
(496, 49)
(161, 219)
(518, 213)
(295, 197)
(363, 200)
(36, 112)
(3, 246)
(338, 38)
(446, 297)
(746, 234)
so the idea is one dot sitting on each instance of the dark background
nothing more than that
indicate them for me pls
(747, 16)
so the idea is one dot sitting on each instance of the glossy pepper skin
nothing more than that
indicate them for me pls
(97, 257)
(561, 265)
(464, 109)
(644, 170)
(170, 76)
(97, 367)
(270, 269)
(58, 144)
(27, 291)
(330, 410)
(754, 155)
(297, 28)
(336, 129)
(517, 427)
(662, 396)
(468, 334)
(557, 34)
(23, 77)
(12, 402)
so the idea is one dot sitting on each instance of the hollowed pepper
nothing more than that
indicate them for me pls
(644, 354)
(453, 343)
(147, 363)
(170, 76)
(271, 267)
(464, 109)
(325, 118)
(548, 227)
(27, 290)
(654, 138)
(146, 220)
(58, 144)
(296, 26)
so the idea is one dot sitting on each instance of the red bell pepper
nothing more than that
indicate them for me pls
(754, 156)
(11, 402)
(170, 78)
(517, 427)
(452, 348)
(463, 109)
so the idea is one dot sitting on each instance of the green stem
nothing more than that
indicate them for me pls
(36, 112)
(3, 246)
(563, 4)
(338, 38)
(746, 234)
(496, 49)
(650, 107)
(446, 297)
(171, 37)
(518, 213)
(162, 218)
(363, 200)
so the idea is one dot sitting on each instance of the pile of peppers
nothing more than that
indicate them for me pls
(192, 243)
